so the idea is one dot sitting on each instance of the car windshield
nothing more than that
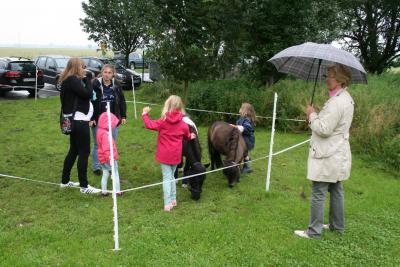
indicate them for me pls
(62, 62)
(22, 66)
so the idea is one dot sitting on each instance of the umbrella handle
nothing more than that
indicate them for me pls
(315, 83)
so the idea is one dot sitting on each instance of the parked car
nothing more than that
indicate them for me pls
(19, 74)
(135, 60)
(52, 66)
(124, 76)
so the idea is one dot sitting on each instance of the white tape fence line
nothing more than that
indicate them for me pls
(219, 112)
(178, 179)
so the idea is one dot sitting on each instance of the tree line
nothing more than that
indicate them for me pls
(213, 39)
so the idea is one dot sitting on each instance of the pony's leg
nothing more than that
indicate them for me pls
(218, 160)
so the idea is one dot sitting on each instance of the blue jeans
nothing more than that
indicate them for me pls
(95, 157)
(106, 173)
(169, 185)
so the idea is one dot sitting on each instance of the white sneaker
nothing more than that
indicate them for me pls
(90, 190)
(69, 184)
(325, 227)
(302, 233)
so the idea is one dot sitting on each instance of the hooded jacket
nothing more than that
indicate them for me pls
(102, 138)
(120, 105)
(171, 132)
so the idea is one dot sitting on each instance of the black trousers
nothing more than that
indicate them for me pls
(79, 146)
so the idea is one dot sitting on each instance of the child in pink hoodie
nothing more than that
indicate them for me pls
(171, 131)
(104, 152)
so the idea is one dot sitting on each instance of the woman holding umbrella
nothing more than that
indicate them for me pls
(329, 160)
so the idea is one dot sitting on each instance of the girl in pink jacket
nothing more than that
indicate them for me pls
(171, 131)
(104, 152)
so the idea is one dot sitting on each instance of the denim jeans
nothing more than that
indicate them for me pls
(169, 185)
(106, 173)
(95, 158)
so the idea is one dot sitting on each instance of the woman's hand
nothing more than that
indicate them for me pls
(123, 121)
(146, 110)
(92, 123)
(192, 136)
(309, 109)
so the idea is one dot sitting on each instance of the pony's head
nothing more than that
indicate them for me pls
(232, 173)
(196, 182)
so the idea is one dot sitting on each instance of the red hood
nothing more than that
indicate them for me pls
(103, 121)
(174, 116)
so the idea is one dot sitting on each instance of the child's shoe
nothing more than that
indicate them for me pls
(174, 203)
(247, 167)
(168, 207)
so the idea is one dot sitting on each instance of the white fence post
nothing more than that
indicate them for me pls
(114, 193)
(134, 98)
(271, 144)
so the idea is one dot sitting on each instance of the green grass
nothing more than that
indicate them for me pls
(41, 225)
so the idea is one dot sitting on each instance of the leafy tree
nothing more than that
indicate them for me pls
(124, 24)
(373, 32)
(273, 25)
(178, 44)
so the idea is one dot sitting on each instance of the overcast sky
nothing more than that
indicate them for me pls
(42, 22)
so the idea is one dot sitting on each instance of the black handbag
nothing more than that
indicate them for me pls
(67, 120)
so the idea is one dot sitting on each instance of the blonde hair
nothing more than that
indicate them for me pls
(74, 68)
(341, 74)
(173, 102)
(247, 110)
(108, 66)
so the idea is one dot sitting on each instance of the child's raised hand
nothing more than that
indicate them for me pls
(146, 109)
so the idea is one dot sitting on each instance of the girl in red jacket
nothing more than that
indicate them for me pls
(171, 131)
(104, 154)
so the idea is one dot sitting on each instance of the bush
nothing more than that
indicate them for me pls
(376, 125)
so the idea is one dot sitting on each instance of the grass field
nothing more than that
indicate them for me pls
(41, 225)
(33, 52)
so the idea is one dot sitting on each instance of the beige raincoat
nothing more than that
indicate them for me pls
(329, 157)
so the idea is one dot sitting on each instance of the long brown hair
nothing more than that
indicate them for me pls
(74, 68)
(247, 110)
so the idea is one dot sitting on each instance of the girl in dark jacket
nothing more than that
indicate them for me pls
(76, 92)
(246, 124)
(106, 90)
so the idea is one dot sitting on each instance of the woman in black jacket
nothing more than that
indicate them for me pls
(76, 95)
(107, 90)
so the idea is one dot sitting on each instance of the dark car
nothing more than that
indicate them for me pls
(52, 67)
(124, 76)
(19, 74)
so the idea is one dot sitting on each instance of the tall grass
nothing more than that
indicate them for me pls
(375, 130)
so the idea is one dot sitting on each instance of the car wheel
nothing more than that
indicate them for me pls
(58, 85)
